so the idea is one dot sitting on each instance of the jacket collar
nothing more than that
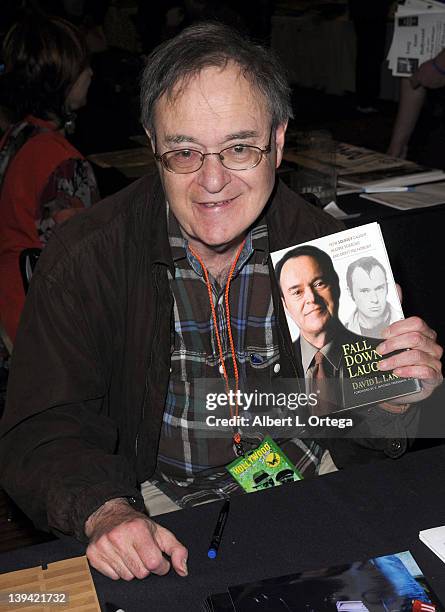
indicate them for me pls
(158, 230)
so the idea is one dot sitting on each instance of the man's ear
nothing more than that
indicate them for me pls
(280, 134)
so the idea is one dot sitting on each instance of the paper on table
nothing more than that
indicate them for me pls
(351, 606)
(434, 538)
(422, 197)
(335, 211)
(71, 577)
(348, 158)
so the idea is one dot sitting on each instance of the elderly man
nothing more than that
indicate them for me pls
(368, 287)
(163, 283)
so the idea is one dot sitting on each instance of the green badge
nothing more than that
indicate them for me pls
(263, 467)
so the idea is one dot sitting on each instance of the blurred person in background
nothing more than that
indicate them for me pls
(369, 19)
(44, 180)
(428, 77)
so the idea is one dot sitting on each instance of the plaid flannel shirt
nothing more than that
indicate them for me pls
(190, 468)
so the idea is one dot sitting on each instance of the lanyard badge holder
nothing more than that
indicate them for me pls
(266, 465)
(237, 441)
(263, 467)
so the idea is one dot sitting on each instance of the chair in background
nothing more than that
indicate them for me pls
(27, 262)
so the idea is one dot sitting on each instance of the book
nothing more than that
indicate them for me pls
(339, 294)
(392, 582)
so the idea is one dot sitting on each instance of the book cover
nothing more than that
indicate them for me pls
(339, 294)
(389, 583)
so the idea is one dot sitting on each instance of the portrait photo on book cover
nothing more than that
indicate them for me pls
(338, 295)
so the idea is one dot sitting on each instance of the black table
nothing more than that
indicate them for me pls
(355, 514)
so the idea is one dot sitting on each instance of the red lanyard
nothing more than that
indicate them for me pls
(236, 436)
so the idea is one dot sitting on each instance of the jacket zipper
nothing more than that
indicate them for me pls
(149, 359)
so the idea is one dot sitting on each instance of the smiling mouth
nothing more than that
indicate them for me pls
(318, 309)
(219, 204)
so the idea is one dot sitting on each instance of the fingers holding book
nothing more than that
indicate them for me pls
(421, 361)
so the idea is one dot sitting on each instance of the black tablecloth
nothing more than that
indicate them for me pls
(354, 514)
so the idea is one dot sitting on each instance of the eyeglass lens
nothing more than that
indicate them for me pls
(238, 157)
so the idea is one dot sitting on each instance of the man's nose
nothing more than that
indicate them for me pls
(213, 176)
(309, 295)
(374, 297)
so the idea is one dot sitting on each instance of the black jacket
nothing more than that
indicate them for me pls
(92, 356)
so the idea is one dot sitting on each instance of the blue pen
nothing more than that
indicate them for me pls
(219, 528)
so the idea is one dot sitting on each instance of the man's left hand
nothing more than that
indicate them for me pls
(422, 361)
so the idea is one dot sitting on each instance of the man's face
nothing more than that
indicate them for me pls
(307, 296)
(369, 292)
(217, 109)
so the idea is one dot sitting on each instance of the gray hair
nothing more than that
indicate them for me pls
(212, 44)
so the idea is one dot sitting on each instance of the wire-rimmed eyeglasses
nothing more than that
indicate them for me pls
(236, 157)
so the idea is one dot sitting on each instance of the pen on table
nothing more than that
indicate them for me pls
(387, 189)
(219, 528)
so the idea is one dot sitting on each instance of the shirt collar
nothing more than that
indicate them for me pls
(308, 352)
(331, 351)
(256, 240)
